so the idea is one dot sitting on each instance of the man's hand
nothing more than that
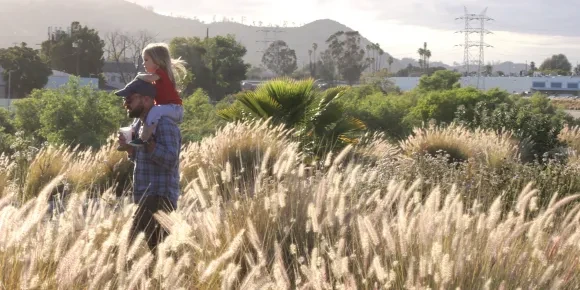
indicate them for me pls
(150, 146)
(123, 143)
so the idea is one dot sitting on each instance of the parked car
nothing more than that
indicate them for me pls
(249, 85)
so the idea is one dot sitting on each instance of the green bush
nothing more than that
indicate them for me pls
(200, 118)
(533, 119)
(380, 112)
(7, 131)
(71, 115)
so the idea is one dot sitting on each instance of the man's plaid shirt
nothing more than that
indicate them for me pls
(157, 173)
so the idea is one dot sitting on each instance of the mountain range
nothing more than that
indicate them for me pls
(29, 21)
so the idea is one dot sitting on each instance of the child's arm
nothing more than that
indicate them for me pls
(148, 77)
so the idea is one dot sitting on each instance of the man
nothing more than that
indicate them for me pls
(156, 173)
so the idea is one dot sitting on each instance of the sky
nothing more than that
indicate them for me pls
(521, 30)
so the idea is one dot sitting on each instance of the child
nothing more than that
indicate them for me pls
(160, 70)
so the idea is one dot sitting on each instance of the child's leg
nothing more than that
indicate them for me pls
(148, 127)
(173, 111)
(148, 131)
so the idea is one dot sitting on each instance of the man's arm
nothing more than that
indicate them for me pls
(164, 150)
(148, 77)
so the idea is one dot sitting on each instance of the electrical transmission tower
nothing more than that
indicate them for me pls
(266, 40)
(480, 43)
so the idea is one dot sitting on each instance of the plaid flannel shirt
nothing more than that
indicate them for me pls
(157, 173)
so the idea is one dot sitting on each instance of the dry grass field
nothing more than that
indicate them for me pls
(445, 209)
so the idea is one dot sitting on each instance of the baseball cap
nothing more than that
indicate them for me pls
(137, 86)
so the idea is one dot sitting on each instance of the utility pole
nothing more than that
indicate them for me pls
(9, 87)
(481, 18)
(267, 40)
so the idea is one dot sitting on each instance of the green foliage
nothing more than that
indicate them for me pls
(380, 81)
(26, 70)
(70, 115)
(440, 80)
(216, 63)
(441, 106)
(280, 59)
(7, 130)
(534, 120)
(380, 112)
(349, 56)
(326, 67)
(200, 117)
(317, 117)
(558, 64)
(411, 71)
(84, 60)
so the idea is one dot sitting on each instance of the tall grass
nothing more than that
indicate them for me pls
(395, 222)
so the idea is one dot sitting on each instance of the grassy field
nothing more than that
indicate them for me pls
(446, 209)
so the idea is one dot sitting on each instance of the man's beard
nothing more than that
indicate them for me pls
(135, 112)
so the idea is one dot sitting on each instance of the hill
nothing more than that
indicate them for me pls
(28, 21)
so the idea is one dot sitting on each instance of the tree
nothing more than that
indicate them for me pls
(424, 55)
(26, 70)
(200, 117)
(345, 48)
(216, 63)
(327, 66)
(255, 73)
(380, 81)
(558, 64)
(124, 47)
(71, 115)
(488, 69)
(312, 64)
(320, 122)
(79, 52)
(280, 59)
(440, 80)
(390, 61)
(533, 66)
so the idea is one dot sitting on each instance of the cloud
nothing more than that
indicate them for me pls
(523, 16)
(208, 7)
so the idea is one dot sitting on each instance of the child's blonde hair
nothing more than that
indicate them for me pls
(159, 54)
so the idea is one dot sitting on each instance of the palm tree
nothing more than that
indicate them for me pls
(319, 122)
(381, 53)
(314, 48)
(390, 61)
(425, 54)
(368, 58)
(310, 64)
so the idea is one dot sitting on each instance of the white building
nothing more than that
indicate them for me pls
(114, 73)
(56, 80)
(554, 85)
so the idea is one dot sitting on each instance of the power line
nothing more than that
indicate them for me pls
(468, 30)
(266, 40)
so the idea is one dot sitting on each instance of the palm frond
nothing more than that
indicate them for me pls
(230, 113)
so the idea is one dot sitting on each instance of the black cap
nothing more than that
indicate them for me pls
(137, 86)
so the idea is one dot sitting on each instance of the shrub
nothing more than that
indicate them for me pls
(71, 115)
(246, 148)
(380, 112)
(534, 120)
(461, 144)
(200, 117)
(97, 171)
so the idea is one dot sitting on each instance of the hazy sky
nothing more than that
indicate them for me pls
(523, 30)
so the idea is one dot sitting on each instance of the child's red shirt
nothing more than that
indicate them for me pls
(166, 92)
